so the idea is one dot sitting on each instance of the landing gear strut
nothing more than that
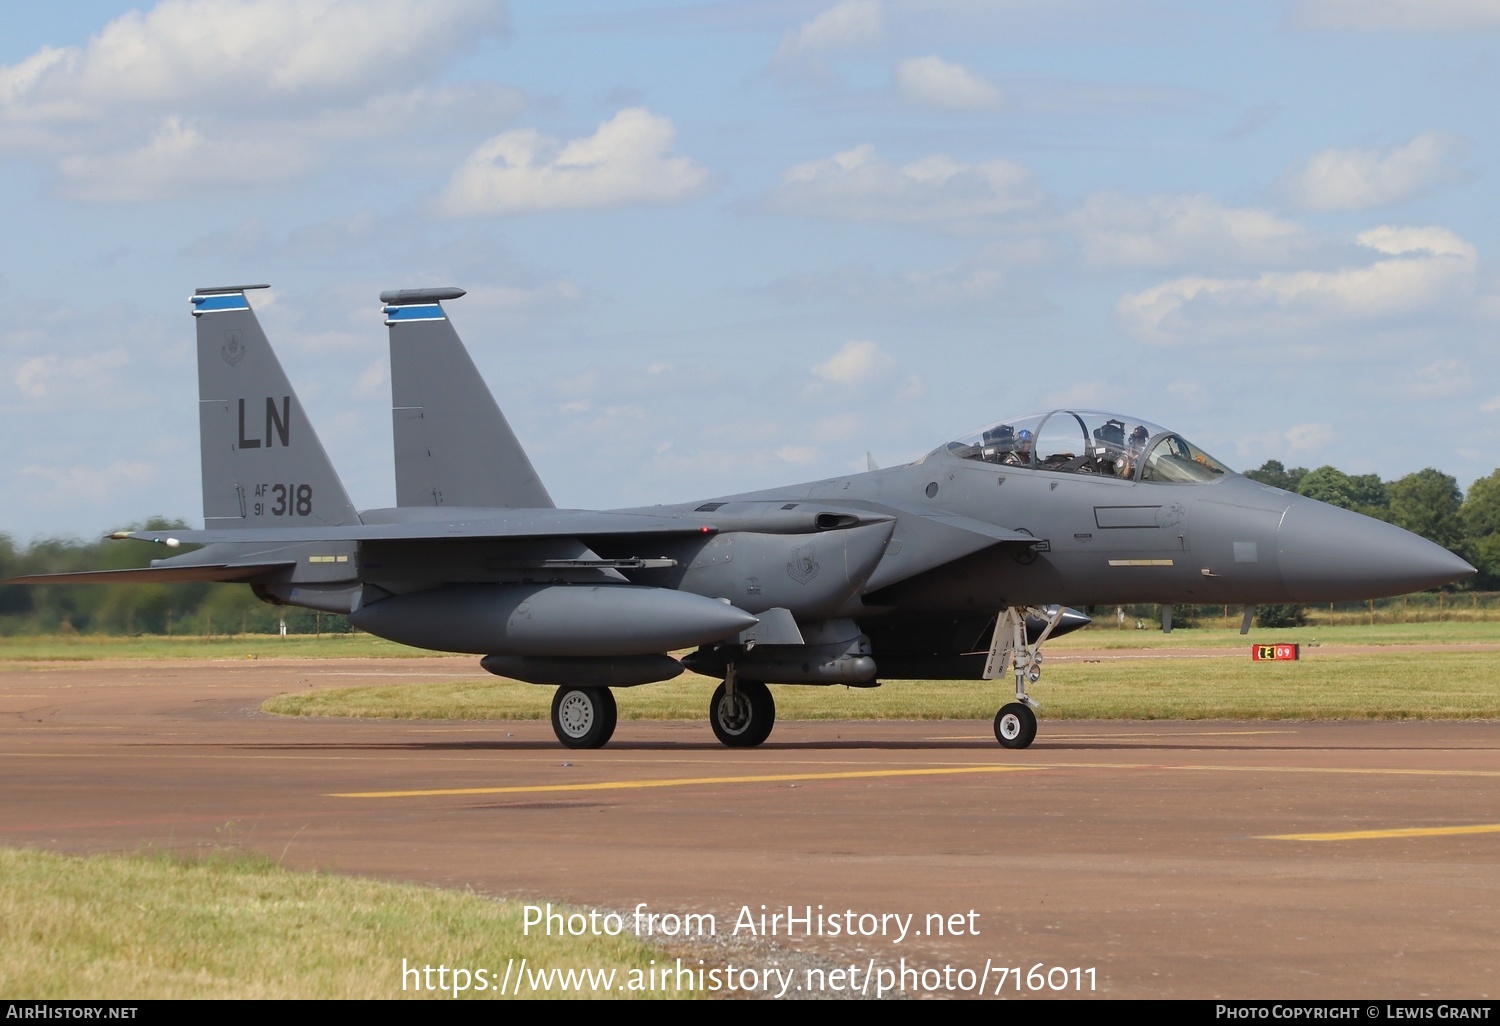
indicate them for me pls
(742, 712)
(583, 717)
(1011, 653)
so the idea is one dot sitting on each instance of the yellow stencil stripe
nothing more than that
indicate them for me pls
(627, 785)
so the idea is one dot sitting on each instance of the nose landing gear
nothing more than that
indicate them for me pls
(1011, 653)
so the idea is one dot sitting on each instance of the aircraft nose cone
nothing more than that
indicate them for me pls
(1329, 554)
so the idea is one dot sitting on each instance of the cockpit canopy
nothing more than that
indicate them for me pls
(1091, 442)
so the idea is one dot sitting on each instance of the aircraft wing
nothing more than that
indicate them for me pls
(226, 572)
(521, 524)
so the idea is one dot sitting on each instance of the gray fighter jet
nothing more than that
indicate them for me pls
(959, 565)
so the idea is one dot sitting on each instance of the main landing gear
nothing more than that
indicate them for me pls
(742, 712)
(583, 717)
(1011, 653)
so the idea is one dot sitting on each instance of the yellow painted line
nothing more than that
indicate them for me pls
(627, 785)
(1360, 771)
(1091, 737)
(1141, 562)
(1371, 835)
(1190, 733)
(1166, 767)
(1167, 734)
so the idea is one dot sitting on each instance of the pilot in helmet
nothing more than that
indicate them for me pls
(1137, 446)
(1024, 441)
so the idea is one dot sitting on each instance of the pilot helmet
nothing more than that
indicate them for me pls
(1139, 434)
(1024, 436)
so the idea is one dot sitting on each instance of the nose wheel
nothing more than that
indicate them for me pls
(583, 717)
(1015, 725)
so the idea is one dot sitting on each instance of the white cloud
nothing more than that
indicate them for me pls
(372, 380)
(31, 378)
(214, 93)
(966, 283)
(988, 277)
(246, 238)
(1115, 230)
(1437, 242)
(850, 23)
(1358, 179)
(939, 83)
(841, 427)
(1373, 15)
(1424, 270)
(1192, 394)
(255, 52)
(797, 455)
(1440, 379)
(178, 158)
(857, 363)
(599, 386)
(857, 185)
(1096, 394)
(1309, 437)
(94, 486)
(75, 382)
(912, 388)
(626, 162)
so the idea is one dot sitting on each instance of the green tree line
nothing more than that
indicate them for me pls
(1427, 502)
(133, 608)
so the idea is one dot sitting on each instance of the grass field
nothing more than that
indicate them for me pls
(1435, 633)
(1453, 682)
(152, 927)
(84, 647)
(1446, 685)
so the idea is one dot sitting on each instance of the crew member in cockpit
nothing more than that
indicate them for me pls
(1019, 451)
(1135, 450)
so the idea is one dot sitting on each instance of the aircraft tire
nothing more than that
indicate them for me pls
(584, 717)
(746, 721)
(1015, 726)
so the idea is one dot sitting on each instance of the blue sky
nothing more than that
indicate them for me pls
(714, 247)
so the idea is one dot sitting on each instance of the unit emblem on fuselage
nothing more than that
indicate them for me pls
(1170, 515)
(802, 567)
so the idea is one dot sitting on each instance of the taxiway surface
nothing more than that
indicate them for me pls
(1198, 860)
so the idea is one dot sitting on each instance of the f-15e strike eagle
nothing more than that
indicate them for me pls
(958, 565)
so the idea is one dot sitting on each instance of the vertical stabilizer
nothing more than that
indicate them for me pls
(263, 465)
(453, 445)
